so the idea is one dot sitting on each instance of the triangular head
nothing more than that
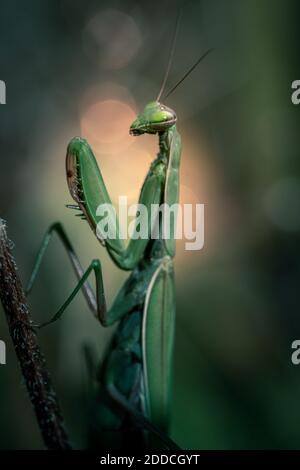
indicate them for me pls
(156, 117)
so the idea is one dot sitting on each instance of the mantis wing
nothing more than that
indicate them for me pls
(157, 342)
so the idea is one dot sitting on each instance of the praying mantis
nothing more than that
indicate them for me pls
(134, 381)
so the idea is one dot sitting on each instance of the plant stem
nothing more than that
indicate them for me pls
(32, 362)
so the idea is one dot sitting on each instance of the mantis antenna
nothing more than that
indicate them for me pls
(171, 55)
(188, 73)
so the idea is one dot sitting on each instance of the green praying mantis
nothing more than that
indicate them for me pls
(134, 381)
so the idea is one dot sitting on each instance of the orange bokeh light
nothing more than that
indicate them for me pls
(105, 124)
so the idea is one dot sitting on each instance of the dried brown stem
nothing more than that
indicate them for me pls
(32, 362)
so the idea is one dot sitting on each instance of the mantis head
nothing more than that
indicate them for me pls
(155, 117)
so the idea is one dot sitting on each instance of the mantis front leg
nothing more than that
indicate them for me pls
(89, 191)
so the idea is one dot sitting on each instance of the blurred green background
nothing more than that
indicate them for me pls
(85, 68)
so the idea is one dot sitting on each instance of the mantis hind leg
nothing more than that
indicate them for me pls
(141, 420)
(122, 426)
(111, 426)
(58, 229)
(119, 420)
(96, 303)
